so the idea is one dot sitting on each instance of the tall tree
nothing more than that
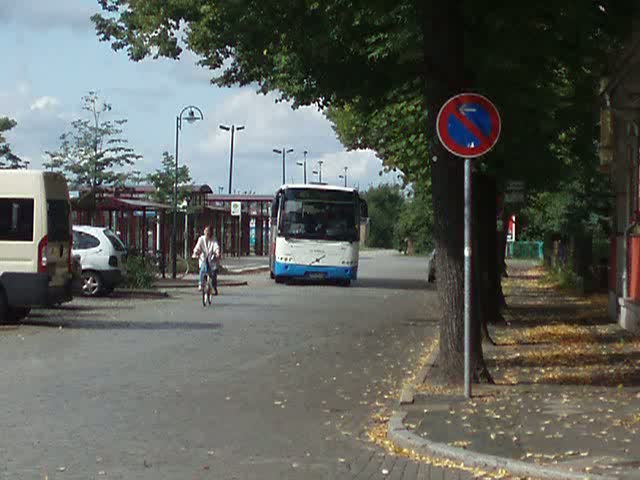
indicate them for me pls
(416, 218)
(385, 204)
(164, 180)
(363, 54)
(8, 159)
(94, 154)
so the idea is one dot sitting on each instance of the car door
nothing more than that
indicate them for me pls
(88, 248)
(116, 247)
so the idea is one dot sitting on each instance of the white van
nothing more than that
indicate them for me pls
(35, 241)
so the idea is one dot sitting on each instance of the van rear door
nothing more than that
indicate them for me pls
(58, 238)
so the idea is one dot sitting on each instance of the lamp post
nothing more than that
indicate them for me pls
(304, 165)
(283, 152)
(346, 169)
(190, 118)
(233, 130)
(319, 171)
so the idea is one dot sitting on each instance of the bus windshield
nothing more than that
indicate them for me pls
(319, 214)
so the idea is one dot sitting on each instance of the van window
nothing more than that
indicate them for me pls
(16, 219)
(58, 220)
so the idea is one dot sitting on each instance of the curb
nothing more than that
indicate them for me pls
(241, 271)
(409, 390)
(405, 439)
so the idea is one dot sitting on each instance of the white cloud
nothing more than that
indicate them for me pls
(268, 125)
(45, 103)
(271, 125)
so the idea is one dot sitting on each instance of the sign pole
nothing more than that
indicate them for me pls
(468, 126)
(468, 257)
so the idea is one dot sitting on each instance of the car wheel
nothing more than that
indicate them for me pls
(18, 314)
(91, 284)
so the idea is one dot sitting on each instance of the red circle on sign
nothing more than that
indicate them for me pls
(454, 107)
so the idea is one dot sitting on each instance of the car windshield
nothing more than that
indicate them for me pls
(319, 214)
(115, 241)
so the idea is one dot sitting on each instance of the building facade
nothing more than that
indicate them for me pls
(619, 156)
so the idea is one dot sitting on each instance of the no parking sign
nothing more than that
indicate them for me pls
(468, 125)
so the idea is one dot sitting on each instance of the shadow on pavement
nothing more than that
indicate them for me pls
(86, 308)
(373, 283)
(119, 325)
(394, 284)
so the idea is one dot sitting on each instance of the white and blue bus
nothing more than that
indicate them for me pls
(315, 233)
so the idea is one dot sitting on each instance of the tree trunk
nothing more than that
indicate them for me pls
(494, 287)
(502, 246)
(445, 77)
(485, 206)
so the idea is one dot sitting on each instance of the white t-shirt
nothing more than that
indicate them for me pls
(207, 248)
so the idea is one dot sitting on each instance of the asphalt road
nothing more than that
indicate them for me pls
(273, 381)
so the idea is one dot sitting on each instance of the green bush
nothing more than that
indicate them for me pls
(141, 272)
(181, 265)
(565, 278)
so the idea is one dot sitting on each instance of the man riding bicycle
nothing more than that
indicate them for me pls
(207, 251)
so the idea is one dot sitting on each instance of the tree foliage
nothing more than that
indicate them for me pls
(94, 153)
(164, 179)
(415, 221)
(576, 207)
(8, 159)
(384, 69)
(385, 205)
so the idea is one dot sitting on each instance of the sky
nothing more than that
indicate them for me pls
(52, 57)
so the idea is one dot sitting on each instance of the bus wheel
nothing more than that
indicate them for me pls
(278, 279)
(271, 275)
(345, 283)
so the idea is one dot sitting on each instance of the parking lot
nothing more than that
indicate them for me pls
(150, 388)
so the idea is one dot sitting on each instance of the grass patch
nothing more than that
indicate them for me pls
(564, 279)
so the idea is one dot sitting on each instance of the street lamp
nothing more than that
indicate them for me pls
(304, 164)
(233, 130)
(319, 171)
(194, 114)
(283, 152)
(346, 169)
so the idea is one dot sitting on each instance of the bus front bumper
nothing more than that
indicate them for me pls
(315, 272)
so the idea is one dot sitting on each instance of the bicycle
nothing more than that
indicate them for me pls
(208, 286)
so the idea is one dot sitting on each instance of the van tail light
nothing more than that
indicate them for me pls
(42, 254)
